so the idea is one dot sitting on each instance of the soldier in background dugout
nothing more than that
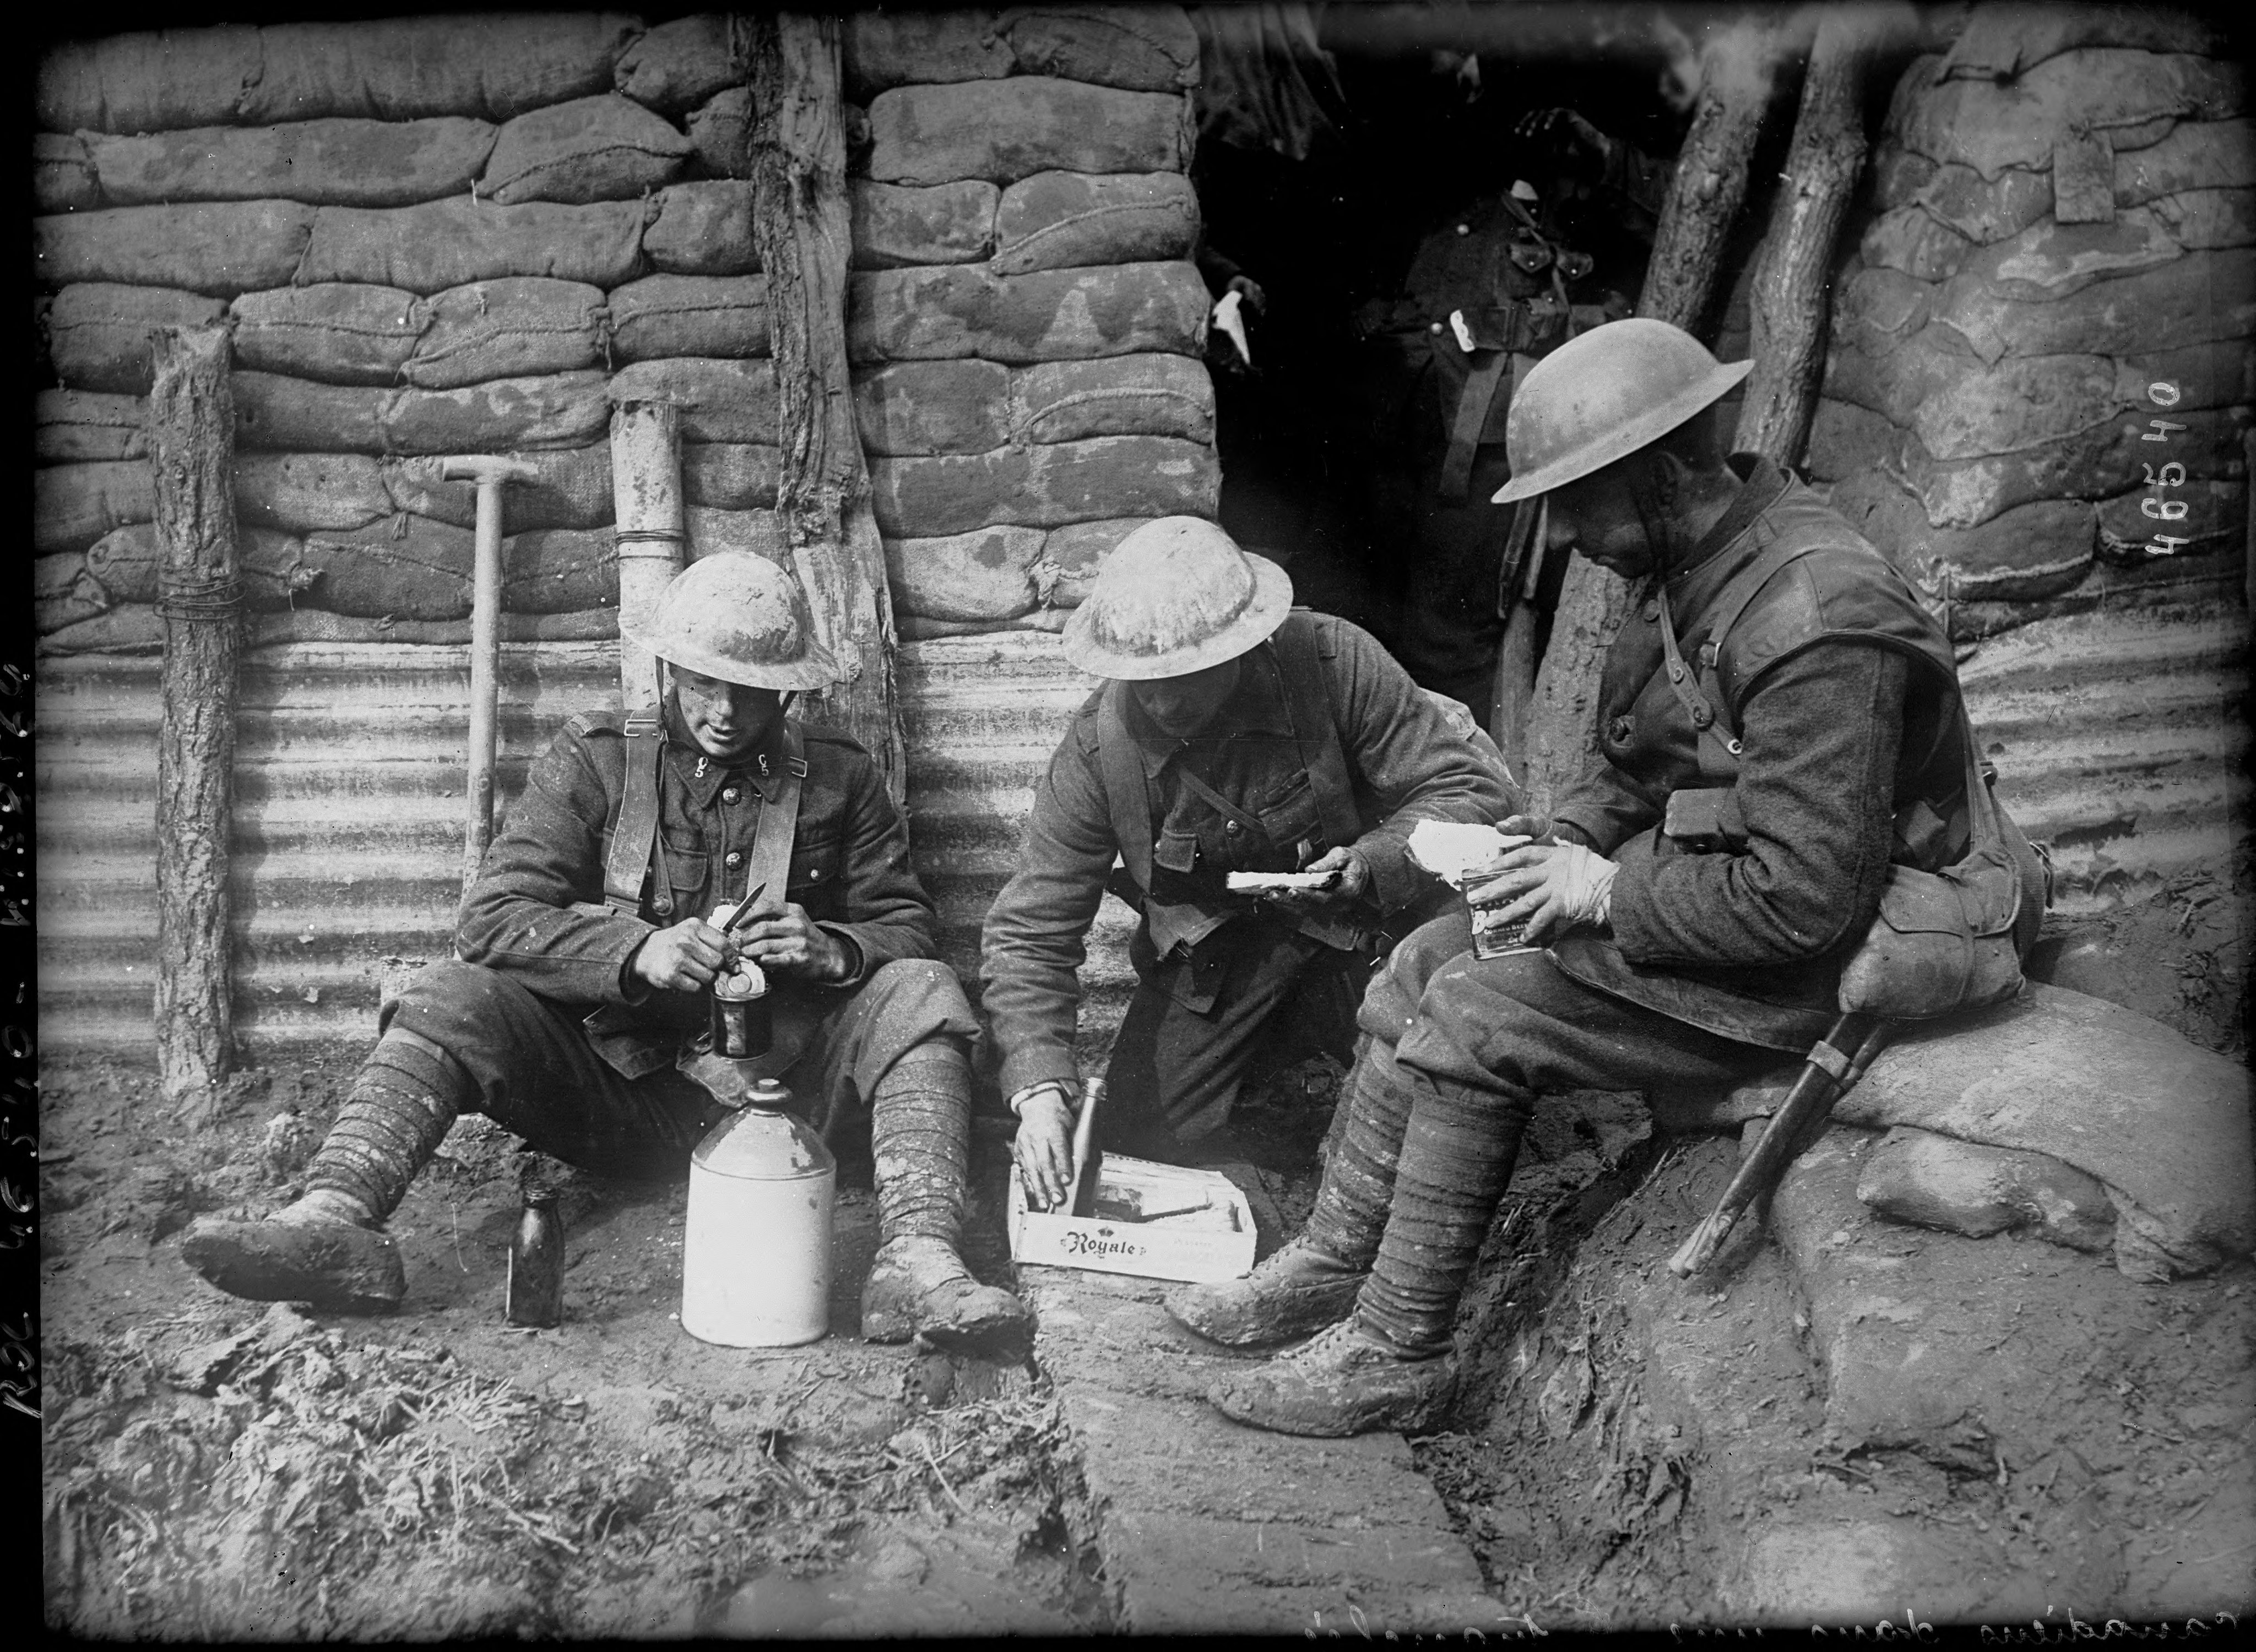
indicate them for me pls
(575, 1016)
(1491, 289)
(1235, 735)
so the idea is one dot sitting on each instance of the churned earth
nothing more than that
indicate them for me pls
(1846, 1421)
(217, 1469)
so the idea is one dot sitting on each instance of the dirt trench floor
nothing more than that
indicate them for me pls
(1627, 1451)
(218, 1469)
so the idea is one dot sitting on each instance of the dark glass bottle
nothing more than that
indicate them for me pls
(536, 1264)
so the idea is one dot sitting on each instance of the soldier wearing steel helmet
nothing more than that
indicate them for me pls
(575, 1013)
(1699, 886)
(1233, 733)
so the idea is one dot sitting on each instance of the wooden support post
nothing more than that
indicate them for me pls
(1710, 181)
(1791, 276)
(190, 425)
(1704, 196)
(799, 226)
(650, 535)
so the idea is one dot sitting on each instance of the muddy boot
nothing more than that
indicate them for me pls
(326, 1249)
(1313, 1280)
(1345, 1382)
(920, 1128)
(1391, 1364)
(1301, 1289)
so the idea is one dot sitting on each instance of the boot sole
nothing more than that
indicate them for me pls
(338, 1269)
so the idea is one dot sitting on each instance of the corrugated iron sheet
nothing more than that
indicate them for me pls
(347, 851)
(983, 715)
(2120, 738)
(349, 817)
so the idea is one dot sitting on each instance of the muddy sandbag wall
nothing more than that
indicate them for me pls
(2039, 401)
(476, 235)
(2042, 356)
(473, 234)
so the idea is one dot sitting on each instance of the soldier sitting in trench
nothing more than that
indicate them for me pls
(574, 1016)
(1235, 735)
(1699, 895)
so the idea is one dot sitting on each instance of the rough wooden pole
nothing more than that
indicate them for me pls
(799, 226)
(1791, 276)
(1710, 181)
(650, 535)
(1704, 196)
(190, 425)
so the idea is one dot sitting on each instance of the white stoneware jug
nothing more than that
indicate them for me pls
(756, 1248)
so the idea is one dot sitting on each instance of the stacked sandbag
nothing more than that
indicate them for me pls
(1023, 319)
(412, 230)
(2041, 361)
(480, 234)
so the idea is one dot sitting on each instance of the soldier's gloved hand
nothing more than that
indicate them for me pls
(1550, 887)
(791, 943)
(1043, 1146)
(683, 958)
(1354, 878)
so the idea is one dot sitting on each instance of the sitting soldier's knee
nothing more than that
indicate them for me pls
(1390, 1007)
(922, 984)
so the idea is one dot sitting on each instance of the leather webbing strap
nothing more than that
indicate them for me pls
(1316, 730)
(635, 841)
(1474, 399)
(1703, 699)
(635, 836)
(768, 867)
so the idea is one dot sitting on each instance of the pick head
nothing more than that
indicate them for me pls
(484, 468)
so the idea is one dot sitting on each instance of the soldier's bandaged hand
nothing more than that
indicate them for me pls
(1551, 888)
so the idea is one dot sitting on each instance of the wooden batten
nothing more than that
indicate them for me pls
(802, 231)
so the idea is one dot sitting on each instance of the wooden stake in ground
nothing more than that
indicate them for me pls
(190, 423)
(799, 226)
(1789, 311)
(1704, 196)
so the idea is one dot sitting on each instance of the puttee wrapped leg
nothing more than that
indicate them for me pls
(1313, 1280)
(1392, 1364)
(919, 1142)
(326, 1247)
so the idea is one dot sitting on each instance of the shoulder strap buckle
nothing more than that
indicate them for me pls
(635, 835)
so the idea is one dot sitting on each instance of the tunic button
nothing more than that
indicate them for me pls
(1620, 730)
(1653, 611)
(730, 795)
(1433, 326)
(1230, 827)
(733, 858)
(1464, 229)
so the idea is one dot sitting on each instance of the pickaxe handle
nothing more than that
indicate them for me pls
(1087, 1158)
(1836, 1062)
(491, 473)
